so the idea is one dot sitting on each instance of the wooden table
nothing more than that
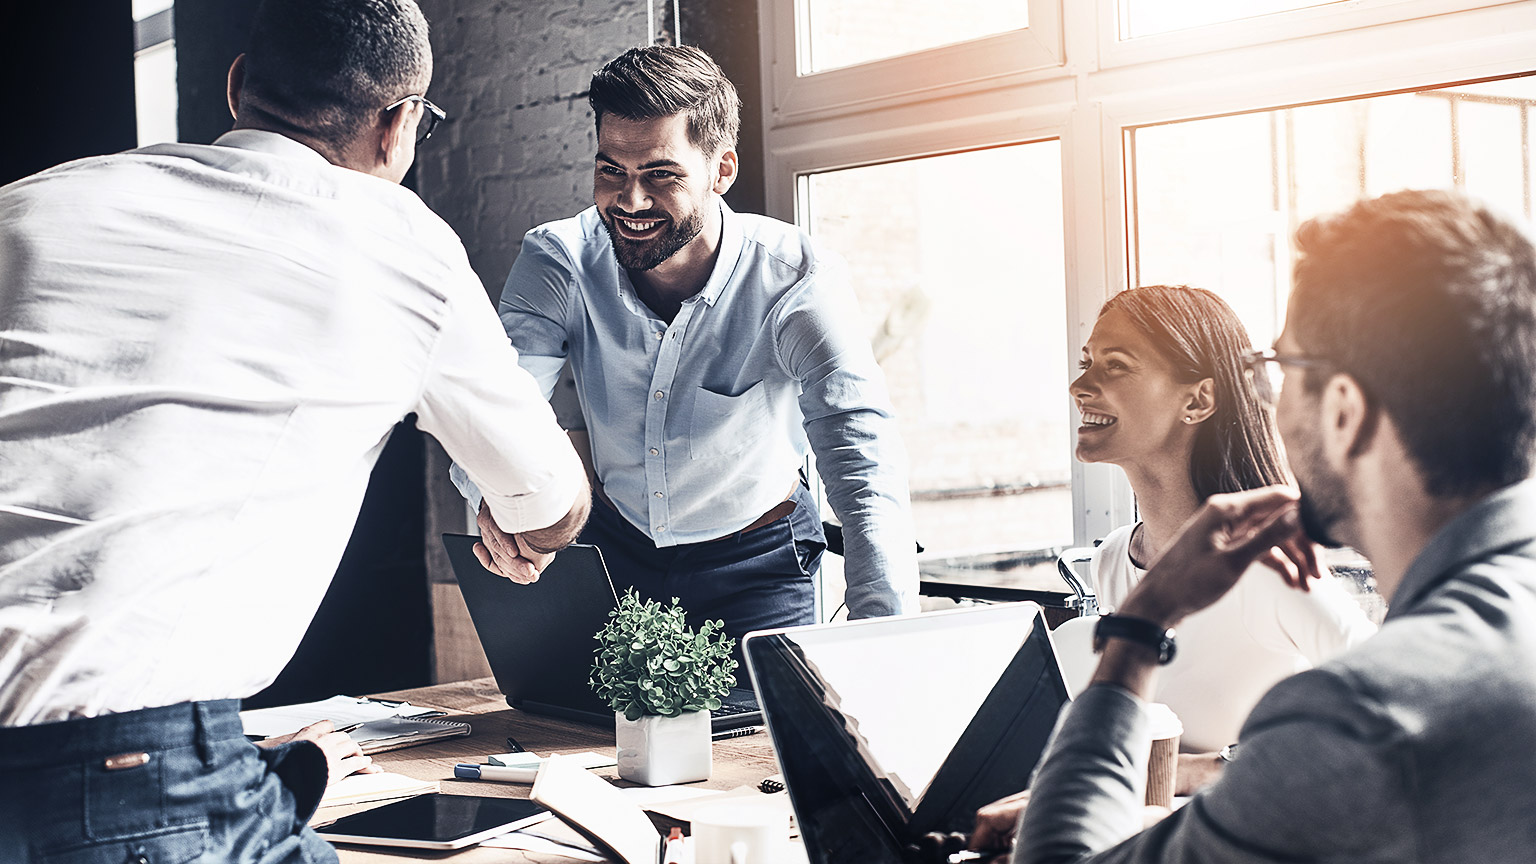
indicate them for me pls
(743, 761)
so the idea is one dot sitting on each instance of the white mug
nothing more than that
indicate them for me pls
(739, 833)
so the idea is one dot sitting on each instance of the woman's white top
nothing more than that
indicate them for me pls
(1232, 652)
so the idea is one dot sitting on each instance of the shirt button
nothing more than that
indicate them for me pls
(659, 394)
(660, 334)
(657, 494)
(655, 452)
(660, 528)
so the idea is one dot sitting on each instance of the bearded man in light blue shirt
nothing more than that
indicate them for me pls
(710, 349)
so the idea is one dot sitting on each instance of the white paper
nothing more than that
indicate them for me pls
(340, 710)
(533, 843)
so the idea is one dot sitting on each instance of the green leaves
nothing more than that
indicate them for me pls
(649, 661)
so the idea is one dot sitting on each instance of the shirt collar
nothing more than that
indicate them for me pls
(1500, 521)
(731, 240)
(273, 143)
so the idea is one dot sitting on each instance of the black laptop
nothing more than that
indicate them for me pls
(539, 637)
(887, 729)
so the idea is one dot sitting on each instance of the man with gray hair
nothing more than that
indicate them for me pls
(203, 349)
(711, 350)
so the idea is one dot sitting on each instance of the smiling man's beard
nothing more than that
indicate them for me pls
(647, 254)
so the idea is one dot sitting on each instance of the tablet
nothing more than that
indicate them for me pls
(435, 821)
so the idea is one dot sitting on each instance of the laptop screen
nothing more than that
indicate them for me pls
(886, 729)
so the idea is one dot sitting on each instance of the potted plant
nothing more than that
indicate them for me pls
(661, 679)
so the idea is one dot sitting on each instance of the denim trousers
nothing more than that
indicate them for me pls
(164, 785)
(753, 580)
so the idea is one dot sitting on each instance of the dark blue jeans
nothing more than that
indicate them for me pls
(752, 581)
(162, 785)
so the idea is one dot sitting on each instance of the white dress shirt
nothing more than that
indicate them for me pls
(698, 427)
(202, 352)
(1230, 653)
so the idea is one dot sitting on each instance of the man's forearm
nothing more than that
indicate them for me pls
(563, 533)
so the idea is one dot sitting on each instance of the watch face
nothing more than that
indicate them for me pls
(1228, 753)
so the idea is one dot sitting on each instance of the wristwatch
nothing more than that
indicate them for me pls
(1227, 755)
(1138, 630)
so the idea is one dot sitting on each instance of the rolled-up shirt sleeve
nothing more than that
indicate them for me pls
(852, 430)
(496, 424)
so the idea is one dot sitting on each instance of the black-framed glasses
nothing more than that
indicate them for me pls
(1265, 369)
(431, 115)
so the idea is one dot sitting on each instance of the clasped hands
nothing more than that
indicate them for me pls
(509, 555)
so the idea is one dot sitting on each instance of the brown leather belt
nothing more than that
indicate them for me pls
(774, 514)
(779, 511)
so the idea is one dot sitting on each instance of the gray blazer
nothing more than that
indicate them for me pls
(1414, 747)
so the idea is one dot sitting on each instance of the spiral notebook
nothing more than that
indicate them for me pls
(376, 725)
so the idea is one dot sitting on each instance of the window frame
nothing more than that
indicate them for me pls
(1097, 89)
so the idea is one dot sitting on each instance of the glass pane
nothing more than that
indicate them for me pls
(144, 8)
(1216, 201)
(842, 33)
(958, 264)
(154, 87)
(1145, 17)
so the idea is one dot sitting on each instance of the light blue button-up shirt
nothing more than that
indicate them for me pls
(698, 427)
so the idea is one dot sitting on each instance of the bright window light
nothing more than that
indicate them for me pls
(1216, 201)
(1146, 17)
(842, 33)
(958, 264)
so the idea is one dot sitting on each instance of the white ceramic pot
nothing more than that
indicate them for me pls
(660, 751)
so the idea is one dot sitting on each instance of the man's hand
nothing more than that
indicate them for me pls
(506, 554)
(343, 756)
(1226, 535)
(997, 822)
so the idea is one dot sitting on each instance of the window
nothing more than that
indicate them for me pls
(1217, 201)
(1188, 138)
(1146, 17)
(847, 32)
(154, 70)
(951, 332)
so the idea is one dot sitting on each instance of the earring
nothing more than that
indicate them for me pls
(1189, 419)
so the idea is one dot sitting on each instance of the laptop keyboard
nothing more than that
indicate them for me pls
(727, 709)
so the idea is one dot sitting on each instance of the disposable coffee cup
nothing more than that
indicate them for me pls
(1164, 762)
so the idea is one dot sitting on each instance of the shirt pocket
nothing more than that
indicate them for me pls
(723, 425)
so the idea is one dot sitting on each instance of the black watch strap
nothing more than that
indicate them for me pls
(1138, 630)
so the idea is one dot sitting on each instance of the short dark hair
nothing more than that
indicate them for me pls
(662, 80)
(326, 67)
(1428, 300)
(1200, 335)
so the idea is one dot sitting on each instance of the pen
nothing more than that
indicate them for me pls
(672, 849)
(465, 771)
(513, 746)
(352, 728)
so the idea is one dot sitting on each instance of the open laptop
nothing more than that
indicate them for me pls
(539, 637)
(887, 729)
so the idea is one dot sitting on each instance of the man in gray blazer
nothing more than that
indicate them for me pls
(1409, 414)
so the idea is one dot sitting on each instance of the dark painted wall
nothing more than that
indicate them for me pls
(728, 31)
(68, 69)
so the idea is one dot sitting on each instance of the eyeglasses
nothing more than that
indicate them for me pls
(431, 115)
(1265, 370)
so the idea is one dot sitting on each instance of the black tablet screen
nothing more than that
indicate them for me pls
(434, 818)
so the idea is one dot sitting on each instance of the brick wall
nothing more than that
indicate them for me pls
(518, 148)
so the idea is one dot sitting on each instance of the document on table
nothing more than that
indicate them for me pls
(383, 786)
(380, 725)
